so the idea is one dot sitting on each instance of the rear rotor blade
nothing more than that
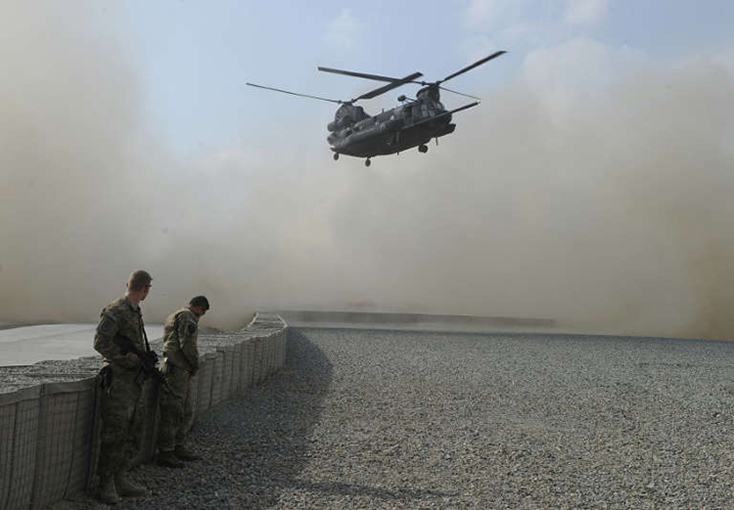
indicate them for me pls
(465, 107)
(295, 93)
(444, 114)
(358, 75)
(459, 93)
(389, 86)
(475, 64)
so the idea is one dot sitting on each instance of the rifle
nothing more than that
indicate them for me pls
(148, 358)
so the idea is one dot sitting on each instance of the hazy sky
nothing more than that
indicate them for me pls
(591, 186)
(193, 58)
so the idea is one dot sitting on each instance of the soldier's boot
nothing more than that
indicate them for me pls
(128, 489)
(184, 454)
(169, 459)
(107, 493)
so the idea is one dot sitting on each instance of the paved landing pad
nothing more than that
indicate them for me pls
(29, 344)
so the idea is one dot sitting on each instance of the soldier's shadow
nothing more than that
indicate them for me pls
(254, 448)
(259, 443)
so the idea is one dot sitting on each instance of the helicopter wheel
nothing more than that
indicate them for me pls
(423, 148)
(367, 162)
(336, 156)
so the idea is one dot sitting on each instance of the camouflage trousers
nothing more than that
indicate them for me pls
(119, 441)
(176, 408)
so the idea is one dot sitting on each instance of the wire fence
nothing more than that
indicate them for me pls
(49, 434)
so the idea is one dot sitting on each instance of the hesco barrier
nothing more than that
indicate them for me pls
(49, 434)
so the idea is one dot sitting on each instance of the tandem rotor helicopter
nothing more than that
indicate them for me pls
(415, 122)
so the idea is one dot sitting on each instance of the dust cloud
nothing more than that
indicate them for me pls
(88, 193)
(604, 206)
(605, 210)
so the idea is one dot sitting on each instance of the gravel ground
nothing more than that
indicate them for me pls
(396, 419)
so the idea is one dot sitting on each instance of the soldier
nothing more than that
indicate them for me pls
(180, 364)
(121, 321)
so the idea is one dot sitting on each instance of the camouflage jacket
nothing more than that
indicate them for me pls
(119, 318)
(180, 332)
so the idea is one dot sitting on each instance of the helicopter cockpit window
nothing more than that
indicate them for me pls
(359, 113)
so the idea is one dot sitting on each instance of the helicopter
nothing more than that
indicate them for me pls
(353, 132)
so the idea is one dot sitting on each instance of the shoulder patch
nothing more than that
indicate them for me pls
(192, 328)
(107, 324)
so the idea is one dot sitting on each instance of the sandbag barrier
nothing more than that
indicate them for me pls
(49, 433)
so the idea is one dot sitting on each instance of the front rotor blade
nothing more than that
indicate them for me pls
(389, 86)
(295, 93)
(358, 75)
(475, 64)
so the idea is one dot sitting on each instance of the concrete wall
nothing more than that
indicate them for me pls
(49, 434)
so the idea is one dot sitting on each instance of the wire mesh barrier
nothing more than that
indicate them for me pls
(49, 434)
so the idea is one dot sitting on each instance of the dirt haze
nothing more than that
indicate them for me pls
(601, 204)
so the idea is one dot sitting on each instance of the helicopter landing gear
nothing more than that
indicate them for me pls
(336, 156)
(367, 162)
(423, 148)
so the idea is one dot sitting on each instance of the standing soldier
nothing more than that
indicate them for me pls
(121, 322)
(180, 364)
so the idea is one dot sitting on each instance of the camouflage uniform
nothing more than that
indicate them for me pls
(181, 362)
(119, 443)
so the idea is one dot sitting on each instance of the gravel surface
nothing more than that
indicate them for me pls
(396, 419)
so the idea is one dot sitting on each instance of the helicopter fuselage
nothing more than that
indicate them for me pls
(399, 129)
(413, 124)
